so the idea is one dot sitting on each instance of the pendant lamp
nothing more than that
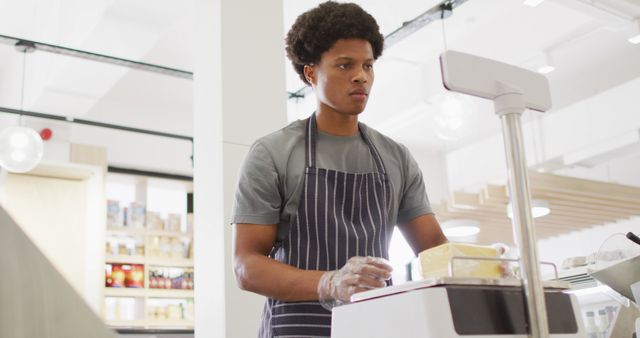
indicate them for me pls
(21, 148)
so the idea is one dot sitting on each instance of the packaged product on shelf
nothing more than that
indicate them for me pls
(108, 280)
(108, 249)
(134, 278)
(174, 222)
(152, 312)
(157, 313)
(136, 215)
(165, 247)
(124, 275)
(153, 280)
(114, 276)
(171, 278)
(174, 312)
(154, 221)
(177, 249)
(114, 214)
(139, 247)
(188, 310)
(122, 249)
(153, 246)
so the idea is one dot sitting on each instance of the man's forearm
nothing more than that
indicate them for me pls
(268, 277)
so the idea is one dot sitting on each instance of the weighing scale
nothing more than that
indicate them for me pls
(453, 307)
(478, 308)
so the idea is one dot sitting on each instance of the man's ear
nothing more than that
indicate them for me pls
(309, 72)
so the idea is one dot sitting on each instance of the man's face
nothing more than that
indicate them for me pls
(343, 77)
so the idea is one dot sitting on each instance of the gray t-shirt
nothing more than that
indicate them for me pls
(272, 174)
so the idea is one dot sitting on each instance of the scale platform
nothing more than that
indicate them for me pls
(454, 307)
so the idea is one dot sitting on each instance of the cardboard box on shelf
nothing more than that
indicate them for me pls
(114, 214)
(154, 221)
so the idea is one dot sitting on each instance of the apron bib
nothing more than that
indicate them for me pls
(340, 215)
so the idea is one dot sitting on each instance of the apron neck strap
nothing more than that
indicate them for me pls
(311, 136)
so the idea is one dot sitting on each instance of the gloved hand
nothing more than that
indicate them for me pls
(506, 270)
(358, 274)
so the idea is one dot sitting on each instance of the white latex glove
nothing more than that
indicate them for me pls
(357, 275)
(506, 270)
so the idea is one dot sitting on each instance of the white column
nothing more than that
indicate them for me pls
(239, 87)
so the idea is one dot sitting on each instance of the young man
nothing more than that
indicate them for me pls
(317, 201)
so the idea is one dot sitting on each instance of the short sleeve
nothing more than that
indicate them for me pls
(257, 198)
(413, 200)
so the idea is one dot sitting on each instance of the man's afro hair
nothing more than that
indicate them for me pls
(316, 30)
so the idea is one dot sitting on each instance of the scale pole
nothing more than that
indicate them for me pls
(509, 106)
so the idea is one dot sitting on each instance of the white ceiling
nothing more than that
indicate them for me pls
(582, 41)
(586, 40)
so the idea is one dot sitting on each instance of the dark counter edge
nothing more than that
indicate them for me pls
(152, 331)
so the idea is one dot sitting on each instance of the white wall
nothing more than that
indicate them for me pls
(239, 84)
(68, 226)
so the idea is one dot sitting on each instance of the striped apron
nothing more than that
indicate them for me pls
(340, 215)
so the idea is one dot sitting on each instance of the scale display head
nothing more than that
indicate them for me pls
(486, 78)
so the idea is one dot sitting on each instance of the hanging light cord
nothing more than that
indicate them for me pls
(24, 71)
(444, 35)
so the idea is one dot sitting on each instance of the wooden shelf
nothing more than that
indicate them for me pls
(125, 231)
(138, 323)
(125, 259)
(168, 293)
(154, 261)
(166, 233)
(124, 292)
(141, 323)
(170, 262)
(170, 323)
(150, 293)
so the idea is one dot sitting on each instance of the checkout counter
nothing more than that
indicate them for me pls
(481, 307)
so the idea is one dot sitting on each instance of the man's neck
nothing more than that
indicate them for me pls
(331, 122)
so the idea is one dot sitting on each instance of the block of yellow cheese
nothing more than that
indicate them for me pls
(434, 262)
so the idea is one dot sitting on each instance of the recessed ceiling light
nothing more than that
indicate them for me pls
(532, 3)
(539, 208)
(460, 228)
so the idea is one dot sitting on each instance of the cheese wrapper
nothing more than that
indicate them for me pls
(434, 262)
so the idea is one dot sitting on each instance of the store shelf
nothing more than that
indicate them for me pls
(125, 259)
(124, 231)
(152, 293)
(166, 233)
(168, 323)
(124, 292)
(169, 262)
(127, 323)
(168, 293)
(151, 245)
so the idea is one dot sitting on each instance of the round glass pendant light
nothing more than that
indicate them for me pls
(21, 149)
